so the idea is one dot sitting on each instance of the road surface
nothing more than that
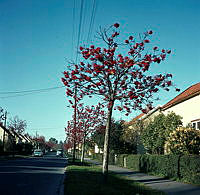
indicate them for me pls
(32, 176)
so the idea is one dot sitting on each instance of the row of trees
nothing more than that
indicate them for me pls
(47, 145)
(19, 126)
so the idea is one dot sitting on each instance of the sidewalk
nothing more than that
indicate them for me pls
(159, 183)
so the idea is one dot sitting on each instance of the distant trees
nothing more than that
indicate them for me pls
(132, 134)
(117, 143)
(17, 124)
(2, 115)
(52, 143)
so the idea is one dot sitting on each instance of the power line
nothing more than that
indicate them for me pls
(94, 8)
(32, 90)
(73, 26)
(28, 92)
(79, 30)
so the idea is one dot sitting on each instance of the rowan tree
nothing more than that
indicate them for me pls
(74, 135)
(88, 118)
(116, 75)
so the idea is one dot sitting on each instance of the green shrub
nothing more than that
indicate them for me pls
(183, 141)
(190, 168)
(165, 165)
(120, 160)
(133, 162)
(98, 157)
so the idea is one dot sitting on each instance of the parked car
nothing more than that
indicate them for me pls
(59, 152)
(37, 152)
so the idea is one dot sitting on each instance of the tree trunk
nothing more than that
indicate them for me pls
(75, 107)
(74, 152)
(83, 150)
(106, 141)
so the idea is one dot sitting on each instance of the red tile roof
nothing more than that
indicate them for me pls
(188, 93)
(134, 119)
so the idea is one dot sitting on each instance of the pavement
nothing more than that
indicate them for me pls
(32, 175)
(159, 183)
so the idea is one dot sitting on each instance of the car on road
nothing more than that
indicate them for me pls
(59, 152)
(37, 152)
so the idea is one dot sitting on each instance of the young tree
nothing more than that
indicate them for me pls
(155, 134)
(88, 118)
(74, 135)
(115, 76)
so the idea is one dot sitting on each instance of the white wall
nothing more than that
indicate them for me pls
(97, 149)
(1, 134)
(189, 109)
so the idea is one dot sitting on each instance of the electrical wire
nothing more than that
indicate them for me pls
(32, 90)
(94, 7)
(79, 29)
(73, 26)
(28, 92)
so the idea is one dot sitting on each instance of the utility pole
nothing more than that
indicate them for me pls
(5, 118)
(36, 135)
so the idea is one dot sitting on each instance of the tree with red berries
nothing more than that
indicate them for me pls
(88, 118)
(74, 135)
(118, 76)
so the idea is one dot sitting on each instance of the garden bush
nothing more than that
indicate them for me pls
(190, 168)
(185, 168)
(165, 165)
(183, 141)
(133, 162)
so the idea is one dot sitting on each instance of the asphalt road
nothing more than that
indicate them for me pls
(32, 176)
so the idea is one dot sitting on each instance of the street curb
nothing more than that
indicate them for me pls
(61, 185)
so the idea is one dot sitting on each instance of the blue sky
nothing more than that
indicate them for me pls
(38, 38)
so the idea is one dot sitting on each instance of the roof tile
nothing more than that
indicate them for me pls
(188, 93)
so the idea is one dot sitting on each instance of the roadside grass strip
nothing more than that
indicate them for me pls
(88, 180)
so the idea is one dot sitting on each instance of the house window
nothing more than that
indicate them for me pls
(194, 125)
(198, 125)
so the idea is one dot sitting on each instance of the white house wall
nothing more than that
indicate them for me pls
(1, 134)
(189, 109)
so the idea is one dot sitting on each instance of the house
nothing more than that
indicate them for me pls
(17, 136)
(4, 133)
(6, 137)
(97, 150)
(146, 118)
(187, 105)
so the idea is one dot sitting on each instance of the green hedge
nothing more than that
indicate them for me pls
(165, 165)
(99, 158)
(190, 168)
(186, 168)
(133, 162)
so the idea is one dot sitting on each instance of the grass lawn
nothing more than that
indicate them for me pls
(88, 180)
